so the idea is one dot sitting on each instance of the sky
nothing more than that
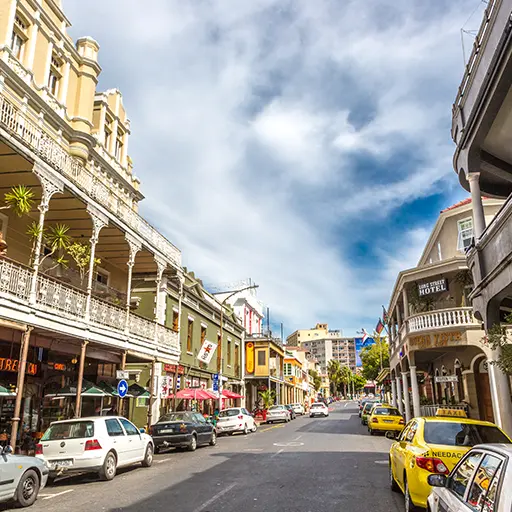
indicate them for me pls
(304, 144)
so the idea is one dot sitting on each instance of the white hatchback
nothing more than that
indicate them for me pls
(94, 444)
(298, 408)
(318, 409)
(235, 419)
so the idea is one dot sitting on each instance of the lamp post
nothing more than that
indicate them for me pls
(220, 365)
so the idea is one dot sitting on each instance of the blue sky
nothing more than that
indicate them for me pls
(303, 144)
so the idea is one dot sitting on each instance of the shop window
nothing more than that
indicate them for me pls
(106, 370)
(229, 353)
(190, 332)
(465, 236)
(175, 319)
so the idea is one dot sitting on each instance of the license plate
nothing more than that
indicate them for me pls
(166, 431)
(388, 421)
(61, 463)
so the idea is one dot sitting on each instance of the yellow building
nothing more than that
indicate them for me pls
(294, 378)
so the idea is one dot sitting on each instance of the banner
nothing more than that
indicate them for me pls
(206, 353)
(361, 343)
(249, 357)
(166, 384)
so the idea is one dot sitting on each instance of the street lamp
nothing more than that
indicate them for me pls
(220, 365)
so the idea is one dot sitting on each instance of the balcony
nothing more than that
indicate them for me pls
(62, 308)
(442, 319)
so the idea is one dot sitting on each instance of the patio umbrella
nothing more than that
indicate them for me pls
(193, 394)
(88, 389)
(230, 394)
(137, 391)
(4, 392)
(108, 388)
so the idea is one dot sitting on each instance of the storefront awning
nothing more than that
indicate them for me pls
(138, 391)
(193, 394)
(4, 392)
(88, 389)
(229, 394)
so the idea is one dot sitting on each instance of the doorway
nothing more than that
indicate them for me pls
(483, 390)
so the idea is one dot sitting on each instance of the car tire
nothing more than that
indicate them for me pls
(109, 468)
(193, 444)
(158, 450)
(409, 505)
(254, 428)
(246, 430)
(148, 456)
(28, 487)
(392, 482)
(213, 439)
(372, 432)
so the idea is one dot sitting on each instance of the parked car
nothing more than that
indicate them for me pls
(385, 418)
(481, 481)
(291, 411)
(98, 444)
(22, 477)
(298, 408)
(278, 413)
(235, 419)
(182, 429)
(318, 409)
(367, 409)
(428, 446)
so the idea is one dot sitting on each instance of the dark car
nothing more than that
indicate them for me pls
(293, 415)
(182, 430)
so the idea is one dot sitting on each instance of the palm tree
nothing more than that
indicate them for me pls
(267, 397)
(334, 373)
(345, 378)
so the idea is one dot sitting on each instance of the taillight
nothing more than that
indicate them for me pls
(432, 465)
(39, 449)
(375, 420)
(402, 421)
(240, 417)
(92, 445)
(183, 427)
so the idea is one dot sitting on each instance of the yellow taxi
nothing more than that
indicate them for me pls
(434, 445)
(385, 418)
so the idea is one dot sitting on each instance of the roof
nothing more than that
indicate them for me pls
(457, 205)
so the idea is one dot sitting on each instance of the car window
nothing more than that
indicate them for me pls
(386, 411)
(176, 416)
(481, 481)
(460, 479)
(114, 428)
(411, 432)
(228, 413)
(199, 418)
(404, 433)
(246, 412)
(69, 430)
(453, 433)
(130, 428)
(489, 502)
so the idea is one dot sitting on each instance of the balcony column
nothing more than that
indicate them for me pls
(22, 365)
(398, 318)
(406, 397)
(49, 186)
(500, 394)
(135, 246)
(394, 401)
(400, 404)
(415, 393)
(406, 304)
(78, 400)
(477, 205)
(99, 221)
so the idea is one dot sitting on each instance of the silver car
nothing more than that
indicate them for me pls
(481, 481)
(278, 413)
(22, 477)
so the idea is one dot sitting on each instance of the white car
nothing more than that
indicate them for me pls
(481, 481)
(99, 444)
(235, 419)
(318, 409)
(278, 413)
(298, 408)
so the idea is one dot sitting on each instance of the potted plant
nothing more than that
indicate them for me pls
(268, 398)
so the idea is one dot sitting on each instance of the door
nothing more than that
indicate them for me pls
(9, 473)
(484, 396)
(202, 428)
(403, 451)
(136, 445)
(119, 440)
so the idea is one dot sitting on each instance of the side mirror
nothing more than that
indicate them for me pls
(142, 430)
(7, 450)
(392, 434)
(437, 480)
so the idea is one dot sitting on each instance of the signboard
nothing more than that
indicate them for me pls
(11, 365)
(443, 339)
(171, 368)
(122, 388)
(249, 357)
(206, 353)
(122, 374)
(165, 386)
(446, 378)
(360, 344)
(441, 285)
(215, 386)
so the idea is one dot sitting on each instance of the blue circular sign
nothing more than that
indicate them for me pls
(122, 388)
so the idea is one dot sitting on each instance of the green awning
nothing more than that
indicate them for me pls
(4, 392)
(138, 391)
(88, 389)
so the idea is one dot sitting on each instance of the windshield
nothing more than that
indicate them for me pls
(386, 411)
(228, 413)
(317, 405)
(368, 406)
(276, 408)
(175, 416)
(69, 430)
(462, 434)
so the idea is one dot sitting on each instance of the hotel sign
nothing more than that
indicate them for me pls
(441, 285)
(443, 339)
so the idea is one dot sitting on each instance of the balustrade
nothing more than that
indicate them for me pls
(441, 319)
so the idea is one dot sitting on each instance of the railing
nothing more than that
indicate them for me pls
(38, 140)
(65, 299)
(441, 319)
(107, 314)
(167, 337)
(15, 280)
(141, 326)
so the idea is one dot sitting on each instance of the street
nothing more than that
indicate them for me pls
(320, 464)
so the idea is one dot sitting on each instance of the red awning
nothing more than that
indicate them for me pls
(229, 394)
(193, 394)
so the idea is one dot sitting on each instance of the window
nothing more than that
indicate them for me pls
(3, 225)
(490, 499)
(55, 75)
(237, 354)
(175, 319)
(190, 332)
(118, 149)
(108, 135)
(483, 478)
(203, 334)
(102, 276)
(462, 434)
(114, 428)
(412, 432)
(465, 228)
(199, 418)
(130, 428)
(229, 352)
(460, 479)
(17, 43)
(69, 430)
(262, 358)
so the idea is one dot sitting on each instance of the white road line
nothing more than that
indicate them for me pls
(253, 449)
(214, 498)
(345, 405)
(297, 438)
(51, 496)
(277, 453)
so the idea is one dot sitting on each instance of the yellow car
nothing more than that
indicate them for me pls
(434, 445)
(385, 418)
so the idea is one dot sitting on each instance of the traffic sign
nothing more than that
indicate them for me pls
(122, 388)
(215, 382)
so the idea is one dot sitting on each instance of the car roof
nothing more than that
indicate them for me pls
(231, 408)
(459, 419)
(501, 448)
(86, 418)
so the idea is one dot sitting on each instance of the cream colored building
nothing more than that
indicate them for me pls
(67, 142)
(437, 348)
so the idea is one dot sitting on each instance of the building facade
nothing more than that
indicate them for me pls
(481, 127)
(438, 353)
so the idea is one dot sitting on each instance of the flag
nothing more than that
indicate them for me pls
(365, 335)
(380, 327)
(385, 316)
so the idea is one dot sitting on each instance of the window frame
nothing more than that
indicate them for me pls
(175, 319)
(449, 487)
(190, 335)
(460, 231)
(228, 352)
(501, 464)
(122, 430)
(122, 421)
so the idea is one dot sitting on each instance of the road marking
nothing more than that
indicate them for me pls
(297, 438)
(214, 498)
(51, 496)
(273, 426)
(277, 453)
(381, 462)
(253, 449)
(292, 443)
(345, 405)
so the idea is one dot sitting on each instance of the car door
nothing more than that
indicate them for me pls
(202, 428)
(249, 420)
(119, 440)
(9, 475)
(136, 443)
(403, 451)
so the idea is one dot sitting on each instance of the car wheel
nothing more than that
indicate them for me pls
(409, 505)
(158, 449)
(193, 444)
(392, 482)
(213, 440)
(28, 487)
(109, 468)
(246, 430)
(372, 433)
(148, 457)
(255, 427)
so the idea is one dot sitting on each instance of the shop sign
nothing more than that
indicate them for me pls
(165, 386)
(11, 365)
(61, 367)
(122, 374)
(207, 350)
(249, 357)
(442, 339)
(195, 383)
(171, 368)
(446, 378)
(441, 285)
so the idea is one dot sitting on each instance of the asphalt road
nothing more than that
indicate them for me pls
(308, 465)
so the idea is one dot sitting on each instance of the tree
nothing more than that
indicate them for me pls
(317, 380)
(268, 398)
(498, 338)
(81, 255)
(359, 382)
(334, 373)
(375, 357)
